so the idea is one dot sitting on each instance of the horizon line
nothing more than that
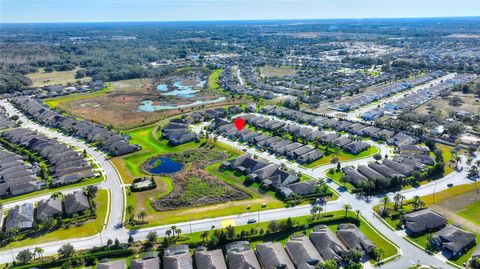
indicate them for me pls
(246, 20)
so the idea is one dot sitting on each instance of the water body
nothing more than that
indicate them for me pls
(181, 90)
(147, 106)
(163, 165)
(162, 87)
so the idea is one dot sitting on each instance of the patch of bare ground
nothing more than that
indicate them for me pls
(450, 206)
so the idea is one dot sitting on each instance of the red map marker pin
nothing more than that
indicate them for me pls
(239, 123)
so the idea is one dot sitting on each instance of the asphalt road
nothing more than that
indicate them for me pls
(409, 254)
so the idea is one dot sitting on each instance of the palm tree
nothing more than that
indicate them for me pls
(417, 202)
(204, 236)
(313, 211)
(385, 201)
(142, 215)
(173, 229)
(347, 207)
(130, 211)
(379, 252)
(178, 231)
(358, 213)
(397, 197)
(168, 233)
(39, 251)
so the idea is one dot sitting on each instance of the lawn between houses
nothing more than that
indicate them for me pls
(83, 230)
(437, 201)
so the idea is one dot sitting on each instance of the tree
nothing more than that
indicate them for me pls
(417, 203)
(39, 251)
(353, 256)
(204, 236)
(328, 264)
(339, 167)
(398, 198)
(90, 191)
(24, 256)
(358, 213)
(230, 232)
(377, 156)
(66, 251)
(378, 253)
(130, 239)
(142, 215)
(385, 201)
(273, 226)
(173, 228)
(344, 180)
(347, 208)
(130, 211)
(152, 237)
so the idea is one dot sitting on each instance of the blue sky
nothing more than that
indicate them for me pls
(188, 10)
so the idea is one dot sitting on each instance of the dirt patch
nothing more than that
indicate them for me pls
(451, 206)
(195, 187)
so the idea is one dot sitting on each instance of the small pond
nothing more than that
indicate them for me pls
(162, 165)
(148, 106)
(185, 91)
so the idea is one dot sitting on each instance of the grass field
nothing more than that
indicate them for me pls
(42, 78)
(57, 102)
(471, 213)
(87, 229)
(129, 166)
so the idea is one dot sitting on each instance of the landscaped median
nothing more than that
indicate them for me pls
(89, 228)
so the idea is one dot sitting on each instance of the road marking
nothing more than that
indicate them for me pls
(227, 222)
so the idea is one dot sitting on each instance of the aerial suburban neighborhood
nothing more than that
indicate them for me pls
(256, 144)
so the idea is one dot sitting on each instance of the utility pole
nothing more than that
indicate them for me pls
(434, 190)
(11, 252)
(258, 217)
(190, 221)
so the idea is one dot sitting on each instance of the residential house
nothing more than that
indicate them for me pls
(76, 202)
(273, 255)
(303, 253)
(49, 208)
(212, 259)
(149, 260)
(177, 257)
(241, 256)
(353, 238)
(327, 244)
(423, 221)
(454, 240)
(20, 216)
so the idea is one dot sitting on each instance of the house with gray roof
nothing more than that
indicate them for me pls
(177, 257)
(356, 147)
(369, 172)
(423, 221)
(20, 216)
(241, 256)
(475, 255)
(49, 208)
(384, 170)
(149, 260)
(353, 238)
(454, 240)
(303, 253)
(273, 255)
(354, 177)
(403, 169)
(327, 244)
(76, 202)
(212, 259)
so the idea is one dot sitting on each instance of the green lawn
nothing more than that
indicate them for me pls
(87, 229)
(213, 81)
(129, 166)
(471, 213)
(57, 101)
(335, 177)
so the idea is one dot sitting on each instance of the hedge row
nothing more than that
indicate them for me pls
(99, 255)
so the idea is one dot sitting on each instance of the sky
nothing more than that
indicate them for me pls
(16, 11)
